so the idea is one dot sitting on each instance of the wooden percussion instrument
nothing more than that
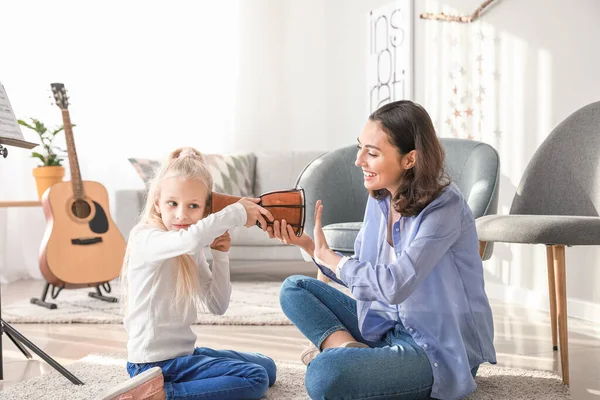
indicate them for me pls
(283, 204)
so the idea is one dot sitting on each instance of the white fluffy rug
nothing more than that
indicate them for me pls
(100, 371)
(252, 303)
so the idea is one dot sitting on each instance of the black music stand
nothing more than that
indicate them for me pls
(17, 338)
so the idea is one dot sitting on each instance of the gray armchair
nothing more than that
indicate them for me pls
(556, 204)
(334, 179)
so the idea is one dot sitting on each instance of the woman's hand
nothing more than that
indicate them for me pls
(320, 241)
(285, 234)
(222, 243)
(254, 213)
(323, 254)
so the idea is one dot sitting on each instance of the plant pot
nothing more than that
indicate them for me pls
(46, 177)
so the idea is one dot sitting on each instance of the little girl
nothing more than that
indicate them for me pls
(166, 278)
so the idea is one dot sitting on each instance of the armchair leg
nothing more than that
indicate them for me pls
(561, 296)
(552, 295)
(482, 246)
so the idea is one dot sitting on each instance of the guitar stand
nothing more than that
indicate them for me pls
(98, 295)
(55, 290)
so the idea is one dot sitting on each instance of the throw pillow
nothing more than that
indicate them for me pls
(145, 168)
(232, 173)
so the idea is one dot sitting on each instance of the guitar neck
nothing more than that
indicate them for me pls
(73, 163)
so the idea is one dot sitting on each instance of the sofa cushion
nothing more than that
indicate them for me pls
(253, 236)
(341, 237)
(232, 173)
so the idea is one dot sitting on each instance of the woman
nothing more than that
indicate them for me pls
(419, 323)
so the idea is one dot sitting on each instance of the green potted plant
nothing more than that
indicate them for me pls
(50, 170)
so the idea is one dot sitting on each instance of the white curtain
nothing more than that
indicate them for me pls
(21, 229)
(144, 77)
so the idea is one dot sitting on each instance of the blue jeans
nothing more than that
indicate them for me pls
(214, 374)
(395, 367)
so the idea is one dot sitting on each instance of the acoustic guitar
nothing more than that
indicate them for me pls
(82, 246)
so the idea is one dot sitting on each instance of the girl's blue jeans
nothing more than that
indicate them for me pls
(394, 367)
(214, 375)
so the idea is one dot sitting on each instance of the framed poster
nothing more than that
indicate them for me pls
(390, 54)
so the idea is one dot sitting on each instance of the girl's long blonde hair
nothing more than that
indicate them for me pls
(188, 163)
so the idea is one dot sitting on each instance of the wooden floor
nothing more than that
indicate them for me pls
(523, 337)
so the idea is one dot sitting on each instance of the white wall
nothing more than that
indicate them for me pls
(325, 66)
(261, 75)
(257, 109)
(143, 76)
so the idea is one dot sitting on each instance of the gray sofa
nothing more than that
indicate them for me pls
(273, 171)
(333, 178)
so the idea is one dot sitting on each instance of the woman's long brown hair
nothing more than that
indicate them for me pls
(409, 127)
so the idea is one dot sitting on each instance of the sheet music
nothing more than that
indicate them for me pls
(9, 127)
(10, 131)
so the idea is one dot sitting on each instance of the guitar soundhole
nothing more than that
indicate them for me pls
(81, 209)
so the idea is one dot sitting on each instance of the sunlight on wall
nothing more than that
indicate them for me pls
(483, 84)
(544, 95)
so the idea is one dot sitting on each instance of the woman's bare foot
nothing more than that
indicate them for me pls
(310, 352)
(336, 339)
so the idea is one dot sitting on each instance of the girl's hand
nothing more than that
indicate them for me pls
(222, 243)
(254, 213)
(285, 234)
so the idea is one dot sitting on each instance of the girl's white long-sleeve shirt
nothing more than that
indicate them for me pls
(157, 329)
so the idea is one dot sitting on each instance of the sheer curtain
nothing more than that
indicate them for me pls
(144, 77)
